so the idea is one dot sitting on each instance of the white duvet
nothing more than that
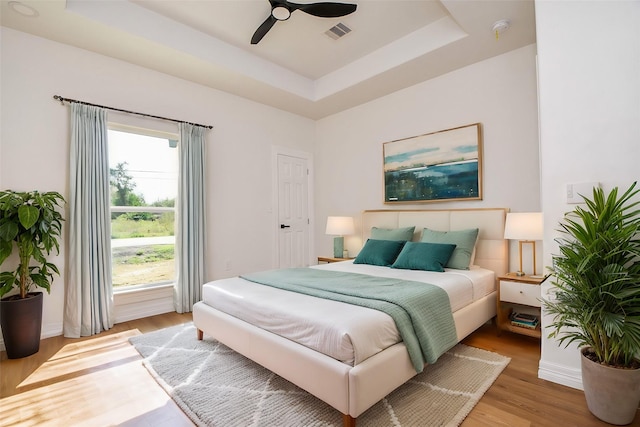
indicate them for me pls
(348, 333)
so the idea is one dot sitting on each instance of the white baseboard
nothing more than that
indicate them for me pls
(51, 330)
(560, 374)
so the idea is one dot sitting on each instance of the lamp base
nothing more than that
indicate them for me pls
(338, 246)
(533, 243)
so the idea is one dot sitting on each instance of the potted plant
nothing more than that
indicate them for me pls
(597, 299)
(31, 223)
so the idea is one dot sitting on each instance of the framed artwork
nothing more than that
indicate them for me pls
(435, 167)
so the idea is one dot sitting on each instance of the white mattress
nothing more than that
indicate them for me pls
(348, 333)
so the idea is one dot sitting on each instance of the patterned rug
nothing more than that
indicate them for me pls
(216, 386)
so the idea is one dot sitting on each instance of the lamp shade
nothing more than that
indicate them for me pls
(524, 226)
(340, 225)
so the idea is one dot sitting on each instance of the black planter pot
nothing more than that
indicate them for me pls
(21, 321)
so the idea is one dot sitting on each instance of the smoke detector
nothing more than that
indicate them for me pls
(500, 27)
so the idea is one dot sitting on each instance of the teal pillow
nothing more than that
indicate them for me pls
(424, 256)
(465, 241)
(403, 233)
(379, 252)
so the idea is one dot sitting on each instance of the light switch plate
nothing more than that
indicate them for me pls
(574, 191)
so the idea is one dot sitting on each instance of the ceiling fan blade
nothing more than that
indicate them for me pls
(325, 9)
(263, 29)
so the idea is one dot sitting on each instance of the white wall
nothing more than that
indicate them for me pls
(500, 93)
(589, 79)
(34, 142)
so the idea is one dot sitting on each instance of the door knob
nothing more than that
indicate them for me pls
(284, 226)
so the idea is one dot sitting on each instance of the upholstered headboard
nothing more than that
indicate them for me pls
(491, 248)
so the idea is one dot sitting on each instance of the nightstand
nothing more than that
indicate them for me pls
(331, 259)
(519, 294)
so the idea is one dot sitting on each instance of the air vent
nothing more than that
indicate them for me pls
(338, 31)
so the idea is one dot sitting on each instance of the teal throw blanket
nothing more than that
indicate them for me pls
(421, 311)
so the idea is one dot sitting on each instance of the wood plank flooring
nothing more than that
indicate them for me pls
(99, 381)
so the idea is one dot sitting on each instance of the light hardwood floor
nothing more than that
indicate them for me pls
(100, 381)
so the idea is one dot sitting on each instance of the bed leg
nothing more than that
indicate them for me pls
(200, 334)
(348, 421)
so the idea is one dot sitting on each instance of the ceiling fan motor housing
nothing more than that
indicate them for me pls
(281, 13)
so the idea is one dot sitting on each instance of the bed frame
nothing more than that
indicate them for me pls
(354, 389)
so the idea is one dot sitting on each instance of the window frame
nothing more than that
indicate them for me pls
(119, 127)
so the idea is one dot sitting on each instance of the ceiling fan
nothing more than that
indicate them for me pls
(281, 10)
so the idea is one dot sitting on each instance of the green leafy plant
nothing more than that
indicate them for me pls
(30, 222)
(597, 276)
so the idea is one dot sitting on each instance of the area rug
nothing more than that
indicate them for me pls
(216, 386)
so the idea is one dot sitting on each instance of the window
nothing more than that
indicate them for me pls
(144, 186)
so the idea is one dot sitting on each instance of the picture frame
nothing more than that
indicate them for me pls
(434, 167)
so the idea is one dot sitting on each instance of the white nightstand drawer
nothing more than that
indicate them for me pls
(520, 293)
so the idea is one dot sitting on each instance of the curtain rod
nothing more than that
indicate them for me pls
(63, 100)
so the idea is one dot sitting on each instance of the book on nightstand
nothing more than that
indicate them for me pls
(524, 320)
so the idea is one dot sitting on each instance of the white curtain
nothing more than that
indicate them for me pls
(88, 292)
(190, 218)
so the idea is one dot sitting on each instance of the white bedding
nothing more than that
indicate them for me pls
(348, 333)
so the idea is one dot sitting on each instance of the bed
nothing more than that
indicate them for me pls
(353, 382)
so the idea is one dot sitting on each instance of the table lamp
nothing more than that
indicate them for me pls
(526, 227)
(339, 226)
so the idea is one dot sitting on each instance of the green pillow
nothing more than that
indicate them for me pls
(379, 252)
(424, 256)
(465, 241)
(404, 233)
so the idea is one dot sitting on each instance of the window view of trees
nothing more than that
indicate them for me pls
(142, 233)
(123, 184)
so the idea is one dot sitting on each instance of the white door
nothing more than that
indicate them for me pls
(293, 216)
